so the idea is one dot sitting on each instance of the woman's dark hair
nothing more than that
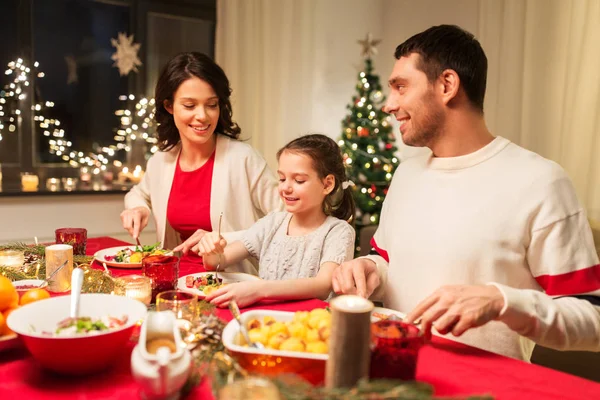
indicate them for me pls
(327, 159)
(450, 47)
(180, 68)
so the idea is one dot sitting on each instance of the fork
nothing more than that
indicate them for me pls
(219, 233)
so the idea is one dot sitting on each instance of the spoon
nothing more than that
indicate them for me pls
(76, 283)
(233, 307)
(219, 264)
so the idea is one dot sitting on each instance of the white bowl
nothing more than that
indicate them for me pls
(75, 354)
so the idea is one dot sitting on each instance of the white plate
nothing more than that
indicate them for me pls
(385, 311)
(9, 342)
(228, 277)
(99, 256)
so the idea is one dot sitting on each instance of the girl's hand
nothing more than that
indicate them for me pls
(191, 242)
(135, 220)
(244, 293)
(211, 243)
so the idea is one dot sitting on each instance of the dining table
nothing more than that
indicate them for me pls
(453, 369)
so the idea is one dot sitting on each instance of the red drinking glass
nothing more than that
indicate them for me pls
(163, 271)
(395, 348)
(76, 237)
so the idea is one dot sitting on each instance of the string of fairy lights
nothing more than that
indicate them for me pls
(134, 125)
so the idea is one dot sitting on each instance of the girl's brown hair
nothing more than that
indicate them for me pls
(327, 159)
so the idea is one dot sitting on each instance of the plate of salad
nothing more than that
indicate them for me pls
(129, 256)
(204, 283)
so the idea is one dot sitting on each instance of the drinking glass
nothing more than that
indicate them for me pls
(163, 270)
(76, 237)
(395, 348)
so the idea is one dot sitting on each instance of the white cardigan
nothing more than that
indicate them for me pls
(243, 188)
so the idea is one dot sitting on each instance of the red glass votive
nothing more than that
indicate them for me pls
(395, 348)
(76, 237)
(164, 272)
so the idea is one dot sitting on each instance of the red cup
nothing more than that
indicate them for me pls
(395, 348)
(76, 237)
(164, 272)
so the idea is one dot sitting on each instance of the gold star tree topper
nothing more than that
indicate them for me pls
(368, 46)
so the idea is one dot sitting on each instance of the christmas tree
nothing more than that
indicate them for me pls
(367, 142)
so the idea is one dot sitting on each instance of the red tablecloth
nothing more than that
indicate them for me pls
(452, 368)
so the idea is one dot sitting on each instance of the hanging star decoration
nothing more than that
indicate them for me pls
(368, 46)
(126, 57)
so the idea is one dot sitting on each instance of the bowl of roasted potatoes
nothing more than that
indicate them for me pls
(294, 342)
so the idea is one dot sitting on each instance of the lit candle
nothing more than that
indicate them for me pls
(136, 287)
(29, 182)
(69, 183)
(53, 184)
(12, 258)
(56, 255)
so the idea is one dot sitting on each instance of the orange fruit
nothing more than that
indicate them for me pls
(9, 298)
(5, 330)
(3, 326)
(34, 295)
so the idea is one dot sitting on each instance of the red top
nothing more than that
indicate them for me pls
(189, 203)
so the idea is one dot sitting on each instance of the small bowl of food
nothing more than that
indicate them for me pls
(82, 346)
(25, 285)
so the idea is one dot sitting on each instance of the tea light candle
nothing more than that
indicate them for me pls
(12, 258)
(29, 182)
(136, 287)
(53, 184)
(69, 183)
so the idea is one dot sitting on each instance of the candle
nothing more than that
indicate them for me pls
(29, 182)
(85, 175)
(56, 255)
(53, 184)
(69, 183)
(12, 258)
(76, 237)
(136, 287)
(349, 341)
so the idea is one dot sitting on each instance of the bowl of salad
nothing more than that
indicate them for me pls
(90, 343)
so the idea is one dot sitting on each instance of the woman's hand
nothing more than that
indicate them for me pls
(192, 241)
(244, 293)
(135, 220)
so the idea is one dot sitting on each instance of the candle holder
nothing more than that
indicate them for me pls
(69, 184)
(184, 305)
(12, 258)
(29, 182)
(164, 272)
(76, 237)
(249, 388)
(136, 287)
(395, 347)
(56, 255)
(53, 184)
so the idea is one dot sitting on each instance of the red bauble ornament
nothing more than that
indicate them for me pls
(385, 191)
(388, 146)
(362, 132)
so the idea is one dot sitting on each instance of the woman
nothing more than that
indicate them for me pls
(201, 170)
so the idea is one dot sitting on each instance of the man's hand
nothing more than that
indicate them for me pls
(458, 308)
(135, 220)
(192, 241)
(358, 276)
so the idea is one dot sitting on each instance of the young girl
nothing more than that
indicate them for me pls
(299, 248)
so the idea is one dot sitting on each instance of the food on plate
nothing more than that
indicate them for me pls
(153, 345)
(306, 332)
(134, 256)
(86, 325)
(206, 283)
(380, 315)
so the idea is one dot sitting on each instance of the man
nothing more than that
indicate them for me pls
(481, 239)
